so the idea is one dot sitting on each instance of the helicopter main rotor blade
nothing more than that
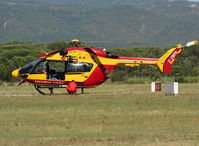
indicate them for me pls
(17, 45)
(116, 41)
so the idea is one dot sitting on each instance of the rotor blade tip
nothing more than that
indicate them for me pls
(191, 43)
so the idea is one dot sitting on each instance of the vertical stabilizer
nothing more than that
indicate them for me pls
(165, 62)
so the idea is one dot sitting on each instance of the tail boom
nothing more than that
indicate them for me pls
(134, 61)
(163, 63)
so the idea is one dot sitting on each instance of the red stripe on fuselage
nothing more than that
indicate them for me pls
(47, 82)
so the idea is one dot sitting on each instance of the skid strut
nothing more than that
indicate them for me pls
(82, 90)
(51, 90)
(41, 92)
(37, 88)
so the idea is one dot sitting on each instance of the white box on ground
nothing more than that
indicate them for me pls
(171, 88)
(155, 86)
(152, 86)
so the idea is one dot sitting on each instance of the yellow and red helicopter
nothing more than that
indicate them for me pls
(87, 67)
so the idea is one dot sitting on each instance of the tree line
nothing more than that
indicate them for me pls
(16, 54)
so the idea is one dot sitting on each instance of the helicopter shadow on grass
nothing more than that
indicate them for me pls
(58, 94)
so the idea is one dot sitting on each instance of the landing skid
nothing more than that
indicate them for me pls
(38, 89)
(51, 89)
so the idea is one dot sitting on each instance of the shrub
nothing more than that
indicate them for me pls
(179, 79)
(118, 76)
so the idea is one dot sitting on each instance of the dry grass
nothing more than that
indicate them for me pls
(112, 114)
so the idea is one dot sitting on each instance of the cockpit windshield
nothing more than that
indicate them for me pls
(29, 66)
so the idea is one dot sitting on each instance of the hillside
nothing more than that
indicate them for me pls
(159, 23)
(95, 2)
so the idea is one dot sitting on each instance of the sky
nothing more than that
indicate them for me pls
(194, 0)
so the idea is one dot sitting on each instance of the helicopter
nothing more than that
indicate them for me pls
(86, 67)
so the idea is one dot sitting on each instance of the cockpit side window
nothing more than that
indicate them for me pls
(40, 68)
(78, 67)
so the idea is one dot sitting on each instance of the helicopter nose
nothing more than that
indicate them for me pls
(15, 73)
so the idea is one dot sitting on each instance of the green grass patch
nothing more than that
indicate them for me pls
(111, 114)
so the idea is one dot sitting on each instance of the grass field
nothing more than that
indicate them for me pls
(111, 114)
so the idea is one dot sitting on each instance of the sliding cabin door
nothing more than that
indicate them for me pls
(56, 70)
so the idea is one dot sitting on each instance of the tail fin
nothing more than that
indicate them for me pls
(165, 62)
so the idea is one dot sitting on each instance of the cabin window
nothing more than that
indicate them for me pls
(58, 66)
(78, 67)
